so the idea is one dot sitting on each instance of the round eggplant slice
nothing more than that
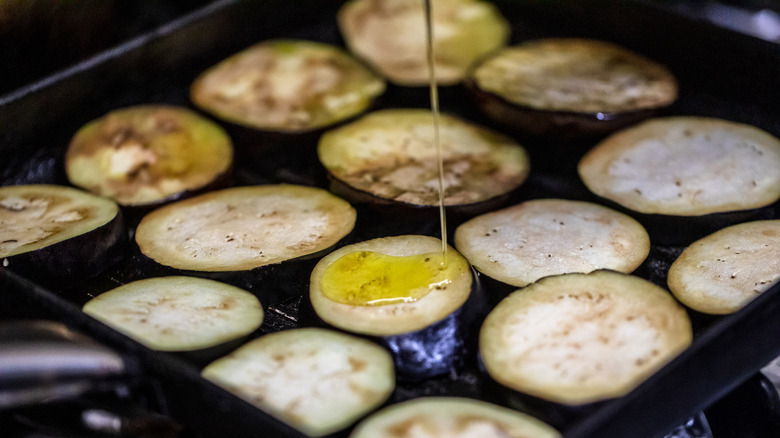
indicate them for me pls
(710, 170)
(400, 291)
(569, 88)
(581, 338)
(389, 286)
(287, 86)
(391, 36)
(316, 380)
(181, 314)
(451, 417)
(724, 271)
(149, 154)
(59, 232)
(390, 156)
(243, 228)
(521, 244)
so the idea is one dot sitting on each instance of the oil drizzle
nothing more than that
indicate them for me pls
(366, 278)
(434, 92)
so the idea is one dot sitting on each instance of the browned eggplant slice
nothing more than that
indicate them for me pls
(181, 314)
(390, 35)
(390, 157)
(276, 97)
(243, 228)
(581, 338)
(523, 243)
(59, 232)
(397, 290)
(451, 417)
(569, 88)
(722, 272)
(287, 86)
(149, 154)
(318, 381)
(676, 172)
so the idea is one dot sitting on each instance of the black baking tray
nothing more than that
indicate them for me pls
(721, 73)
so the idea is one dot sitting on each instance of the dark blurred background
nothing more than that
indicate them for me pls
(40, 37)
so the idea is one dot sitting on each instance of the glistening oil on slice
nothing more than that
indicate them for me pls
(396, 290)
(367, 278)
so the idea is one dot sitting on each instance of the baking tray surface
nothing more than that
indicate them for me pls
(721, 73)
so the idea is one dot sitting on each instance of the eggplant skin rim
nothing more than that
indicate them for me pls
(678, 337)
(498, 149)
(567, 124)
(382, 321)
(78, 256)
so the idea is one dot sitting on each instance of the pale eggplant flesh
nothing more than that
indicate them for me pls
(578, 339)
(686, 177)
(427, 335)
(58, 232)
(316, 380)
(146, 155)
(569, 88)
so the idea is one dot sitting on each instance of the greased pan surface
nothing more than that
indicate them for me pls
(721, 74)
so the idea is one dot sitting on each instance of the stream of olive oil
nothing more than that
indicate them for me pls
(366, 278)
(434, 89)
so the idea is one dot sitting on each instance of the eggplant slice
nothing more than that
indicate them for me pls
(685, 166)
(59, 232)
(451, 417)
(523, 243)
(178, 313)
(389, 286)
(243, 228)
(390, 155)
(724, 271)
(390, 35)
(398, 291)
(287, 86)
(580, 338)
(568, 87)
(316, 380)
(149, 154)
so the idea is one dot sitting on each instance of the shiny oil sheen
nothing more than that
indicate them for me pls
(366, 278)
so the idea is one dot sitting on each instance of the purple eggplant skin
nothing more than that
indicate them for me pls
(444, 347)
(76, 259)
(269, 157)
(383, 210)
(433, 351)
(556, 125)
